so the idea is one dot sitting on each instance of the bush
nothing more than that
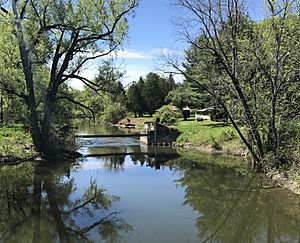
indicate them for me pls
(113, 113)
(167, 115)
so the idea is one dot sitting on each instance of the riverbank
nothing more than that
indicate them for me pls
(219, 138)
(196, 137)
(210, 137)
(15, 145)
(205, 136)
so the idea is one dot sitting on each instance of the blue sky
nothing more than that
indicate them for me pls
(151, 31)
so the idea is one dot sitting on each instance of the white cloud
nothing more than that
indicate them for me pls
(124, 54)
(167, 52)
(131, 54)
(136, 64)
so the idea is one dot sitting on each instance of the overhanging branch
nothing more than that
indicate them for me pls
(77, 103)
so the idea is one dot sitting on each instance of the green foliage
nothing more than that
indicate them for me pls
(107, 103)
(15, 142)
(156, 89)
(167, 115)
(249, 70)
(12, 108)
(135, 99)
(148, 95)
(113, 113)
(47, 43)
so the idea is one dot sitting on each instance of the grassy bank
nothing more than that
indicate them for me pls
(15, 144)
(209, 136)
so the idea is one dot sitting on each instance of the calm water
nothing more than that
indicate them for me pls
(142, 195)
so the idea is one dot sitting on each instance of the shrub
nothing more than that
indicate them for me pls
(113, 113)
(167, 115)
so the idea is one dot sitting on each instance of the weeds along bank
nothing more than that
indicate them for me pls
(15, 145)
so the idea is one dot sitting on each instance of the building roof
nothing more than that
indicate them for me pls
(186, 108)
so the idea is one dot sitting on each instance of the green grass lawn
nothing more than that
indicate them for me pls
(208, 133)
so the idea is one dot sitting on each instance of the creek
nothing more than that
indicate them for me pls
(136, 193)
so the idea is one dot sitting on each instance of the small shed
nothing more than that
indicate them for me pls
(186, 111)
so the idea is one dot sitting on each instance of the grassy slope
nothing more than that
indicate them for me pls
(15, 142)
(209, 134)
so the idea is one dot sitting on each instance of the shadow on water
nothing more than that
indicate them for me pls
(234, 207)
(40, 204)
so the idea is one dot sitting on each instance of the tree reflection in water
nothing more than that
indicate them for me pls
(155, 157)
(40, 204)
(234, 207)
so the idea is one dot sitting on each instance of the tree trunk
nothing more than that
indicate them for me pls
(272, 133)
(27, 70)
(50, 147)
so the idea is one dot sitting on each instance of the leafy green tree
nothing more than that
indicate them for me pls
(66, 35)
(184, 96)
(247, 68)
(113, 112)
(106, 103)
(135, 99)
(155, 91)
(12, 108)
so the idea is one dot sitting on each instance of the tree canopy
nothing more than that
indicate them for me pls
(58, 38)
(249, 69)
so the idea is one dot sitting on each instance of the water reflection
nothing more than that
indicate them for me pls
(236, 208)
(40, 204)
(113, 158)
(163, 196)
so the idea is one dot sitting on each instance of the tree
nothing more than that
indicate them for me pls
(11, 80)
(155, 91)
(135, 97)
(227, 61)
(66, 35)
(107, 102)
(185, 96)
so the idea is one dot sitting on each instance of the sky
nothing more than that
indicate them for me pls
(152, 31)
